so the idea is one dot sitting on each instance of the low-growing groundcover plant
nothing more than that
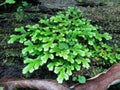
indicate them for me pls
(65, 42)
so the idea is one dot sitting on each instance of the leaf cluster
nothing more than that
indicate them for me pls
(80, 79)
(65, 42)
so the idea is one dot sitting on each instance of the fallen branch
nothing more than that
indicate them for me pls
(99, 82)
(102, 81)
(33, 84)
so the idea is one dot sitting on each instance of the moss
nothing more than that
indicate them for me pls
(107, 2)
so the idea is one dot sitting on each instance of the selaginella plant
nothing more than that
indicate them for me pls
(64, 42)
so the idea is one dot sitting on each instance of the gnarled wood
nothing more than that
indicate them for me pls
(33, 84)
(99, 82)
(102, 81)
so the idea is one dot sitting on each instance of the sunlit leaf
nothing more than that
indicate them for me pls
(63, 46)
(28, 68)
(64, 54)
(13, 38)
(10, 1)
(51, 66)
(107, 36)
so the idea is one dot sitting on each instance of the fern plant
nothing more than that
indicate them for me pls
(65, 42)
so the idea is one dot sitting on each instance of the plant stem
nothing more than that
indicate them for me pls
(2, 3)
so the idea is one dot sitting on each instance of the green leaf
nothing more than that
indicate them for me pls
(74, 79)
(112, 60)
(39, 48)
(117, 56)
(24, 51)
(88, 53)
(60, 79)
(91, 41)
(99, 37)
(70, 59)
(60, 37)
(28, 68)
(63, 46)
(57, 70)
(69, 71)
(46, 56)
(71, 43)
(24, 3)
(51, 66)
(62, 75)
(77, 66)
(21, 29)
(22, 38)
(107, 36)
(54, 45)
(55, 50)
(10, 1)
(59, 62)
(33, 64)
(47, 46)
(1, 88)
(64, 54)
(91, 34)
(81, 79)
(37, 64)
(45, 39)
(28, 43)
(28, 49)
(13, 38)
(85, 63)
(35, 35)
(82, 53)
(77, 50)
(78, 60)
(27, 60)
